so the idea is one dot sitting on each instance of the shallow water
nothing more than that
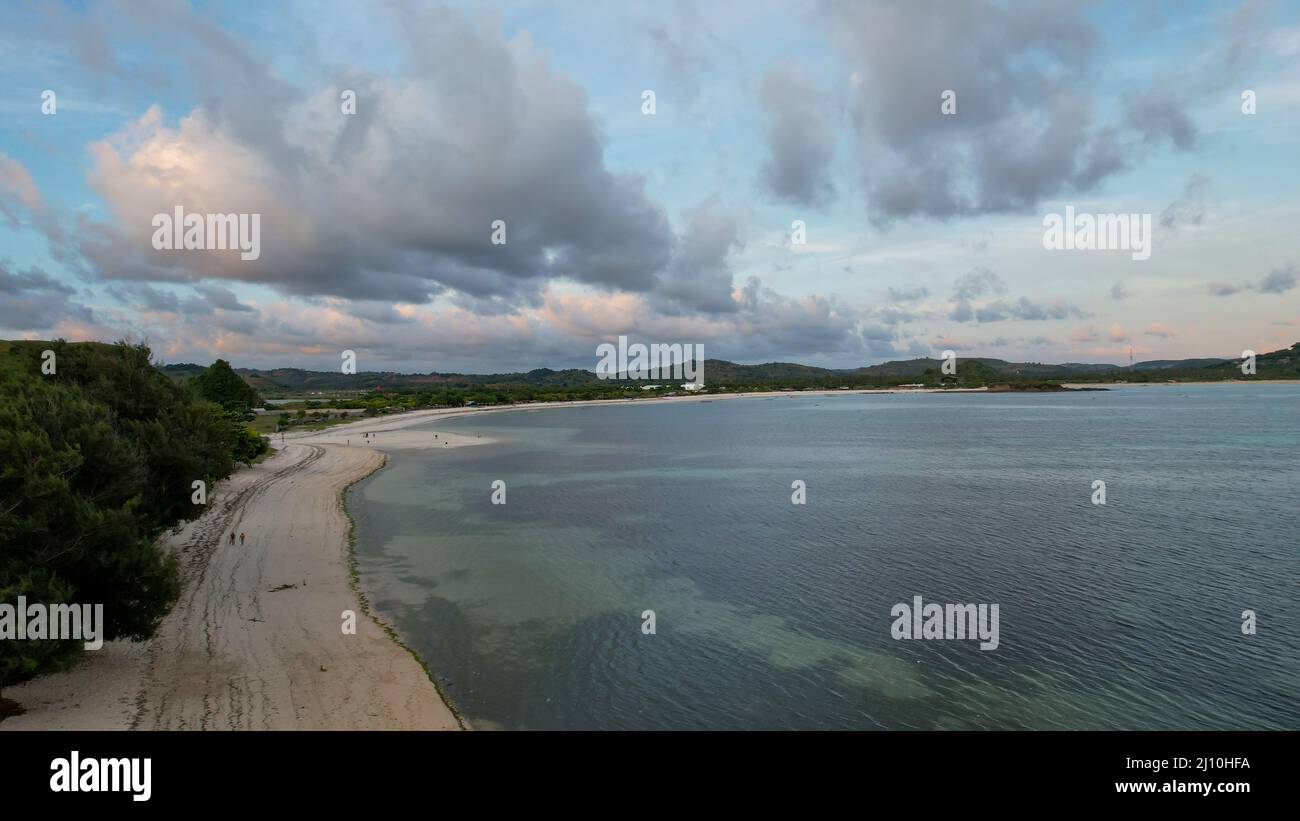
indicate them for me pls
(775, 615)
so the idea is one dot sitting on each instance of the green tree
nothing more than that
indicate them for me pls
(221, 385)
(96, 461)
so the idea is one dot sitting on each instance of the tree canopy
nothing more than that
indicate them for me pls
(220, 384)
(97, 459)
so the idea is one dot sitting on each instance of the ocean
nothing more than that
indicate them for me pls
(773, 615)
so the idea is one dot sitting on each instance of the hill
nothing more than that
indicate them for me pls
(282, 382)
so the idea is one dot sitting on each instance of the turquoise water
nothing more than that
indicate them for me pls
(775, 615)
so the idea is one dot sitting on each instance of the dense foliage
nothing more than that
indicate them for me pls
(220, 384)
(96, 460)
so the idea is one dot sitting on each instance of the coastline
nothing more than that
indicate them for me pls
(255, 640)
(354, 581)
(343, 433)
(207, 668)
(1176, 384)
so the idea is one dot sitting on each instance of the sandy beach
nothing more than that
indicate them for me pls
(256, 640)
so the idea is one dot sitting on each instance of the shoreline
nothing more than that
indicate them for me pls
(195, 672)
(256, 639)
(340, 433)
(354, 581)
(1080, 385)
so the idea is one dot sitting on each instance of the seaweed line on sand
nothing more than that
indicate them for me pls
(354, 581)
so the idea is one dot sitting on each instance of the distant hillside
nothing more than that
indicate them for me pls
(1158, 364)
(296, 381)
(1282, 364)
(182, 371)
(916, 367)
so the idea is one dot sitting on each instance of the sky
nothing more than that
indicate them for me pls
(826, 182)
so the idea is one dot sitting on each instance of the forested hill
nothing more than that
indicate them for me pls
(1282, 364)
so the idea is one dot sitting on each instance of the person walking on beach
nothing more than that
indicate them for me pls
(232, 538)
(241, 539)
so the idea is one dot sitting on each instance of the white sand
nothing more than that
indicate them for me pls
(237, 654)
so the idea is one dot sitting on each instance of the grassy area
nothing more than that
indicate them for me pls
(266, 423)
(326, 423)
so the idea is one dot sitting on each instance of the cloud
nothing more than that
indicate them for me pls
(1029, 121)
(17, 189)
(20, 200)
(910, 293)
(1083, 335)
(800, 138)
(396, 203)
(1188, 209)
(562, 330)
(1022, 130)
(31, 300)
(145, 297)
(1278, 281)
(686, 50)
(1159, 113)
(769, 324)
(1022, 309)
(892, 315)
(1158, 329)
(222, 298)
(946, 342)
(878, 341)
(977, 283)
(698, 278)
